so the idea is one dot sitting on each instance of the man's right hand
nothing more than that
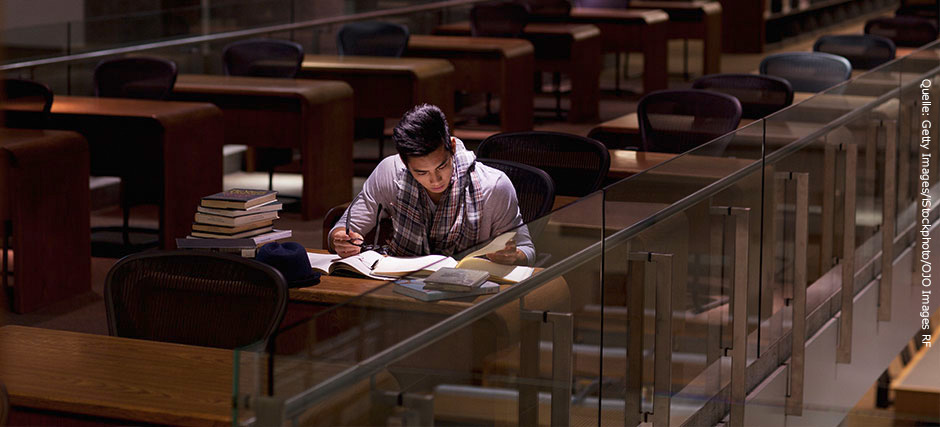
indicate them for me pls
(343, 242)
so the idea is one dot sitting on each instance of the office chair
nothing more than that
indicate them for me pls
(195, 298)
(336, 212)
(907, 30)
(864, 51)
(26, 95)
(373, 38)
(577, 165)
(262, 58)
(508, 20)
(808, 71)
(265, 58)
(535, 190)
(139, 78)
(676, 121)
(759, 95)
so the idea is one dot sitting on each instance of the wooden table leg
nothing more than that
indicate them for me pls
(585, 80)
(655, 72)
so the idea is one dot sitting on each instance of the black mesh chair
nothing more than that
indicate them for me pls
(262, 58)
(372, 38)
(676, 121)
(759, 95)
(265, 58)
(577, 165)
(910, 31)
(864, 51)
(808, 71)
(498, 19)
(135, 77)
(28, 95)
(140, 78)
(195, 298)
(535, 190)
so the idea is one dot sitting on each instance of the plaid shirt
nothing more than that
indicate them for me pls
(453, 227)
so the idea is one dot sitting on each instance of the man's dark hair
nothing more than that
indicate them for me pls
(421, 131)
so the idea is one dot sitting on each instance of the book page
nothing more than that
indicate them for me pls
(495, 245)
(362, 263)
(321, 262)
(498, 272)
(399, 266)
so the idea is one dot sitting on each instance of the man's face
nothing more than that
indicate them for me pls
(433, 171)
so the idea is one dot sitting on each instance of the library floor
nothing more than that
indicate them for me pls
(86, 313)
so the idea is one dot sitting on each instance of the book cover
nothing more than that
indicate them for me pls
(238, 198)
(415, 288)
(193, 242)
(267, 207)
(248, 233)
(455, 279)
(236, 221)
(221, 229)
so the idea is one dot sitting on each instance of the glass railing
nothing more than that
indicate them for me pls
(63, 56)
(707, 287)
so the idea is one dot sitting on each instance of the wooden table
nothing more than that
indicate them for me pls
(630, 30)
(693, 20)
(313, 116)
(573, 49)
(387, 87)
(487, 64)
(54, 377)
(170, 148)
(340, 304)
(44, 194)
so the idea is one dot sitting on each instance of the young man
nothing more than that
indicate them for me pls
(440, 200)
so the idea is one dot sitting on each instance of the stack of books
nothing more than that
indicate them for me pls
(237, 220)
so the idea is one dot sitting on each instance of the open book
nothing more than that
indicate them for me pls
(377, 266)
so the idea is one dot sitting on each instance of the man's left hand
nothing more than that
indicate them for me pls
(508, 255)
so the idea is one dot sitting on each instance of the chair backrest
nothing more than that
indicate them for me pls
(27, 94)
(262, 58)
(535, 190)
(547, 8)
(907, 30)
(196, 298)
(676, 121)
(336, 212)
(498, 19)
(577, 165)
(864, 51)
(807, 71)
(759, 95)
(372, 38)
(135, 77)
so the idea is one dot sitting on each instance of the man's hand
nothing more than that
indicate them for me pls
(345, 244)
(508, 255)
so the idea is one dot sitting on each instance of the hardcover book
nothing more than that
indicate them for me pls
(236, 221)
(193, 242)
(221, 229)
(267, 207)
(415, 288)
(455, 279)
(238, 198)
(248, 233)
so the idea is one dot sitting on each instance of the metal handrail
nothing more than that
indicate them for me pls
(237, 34)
